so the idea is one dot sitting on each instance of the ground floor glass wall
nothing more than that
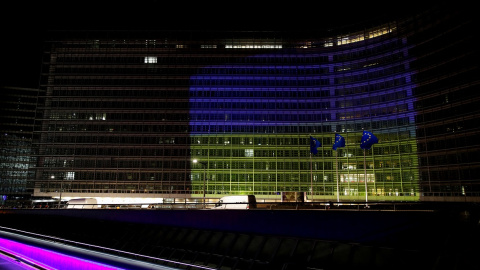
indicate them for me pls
(267, 165)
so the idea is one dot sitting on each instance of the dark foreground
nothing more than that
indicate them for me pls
(446, 237)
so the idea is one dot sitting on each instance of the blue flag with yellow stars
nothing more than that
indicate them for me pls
(339, 142)
(314, 144)
(368, 139)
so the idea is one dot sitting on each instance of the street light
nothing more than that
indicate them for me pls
(61, 189)
(204, 177)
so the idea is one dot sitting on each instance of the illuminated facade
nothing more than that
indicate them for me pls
(125, 116)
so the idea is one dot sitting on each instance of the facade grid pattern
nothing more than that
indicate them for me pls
(18, 106)
(126, 116)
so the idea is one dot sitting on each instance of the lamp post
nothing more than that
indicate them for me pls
(204, 177)
(61, 189)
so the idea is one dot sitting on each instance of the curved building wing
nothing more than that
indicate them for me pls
(124, 114)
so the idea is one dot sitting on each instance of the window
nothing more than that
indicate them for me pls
(70, 176)
(150, 59)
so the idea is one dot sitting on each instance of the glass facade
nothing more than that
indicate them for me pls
(251, 119)
(16, 152)
(125, 114)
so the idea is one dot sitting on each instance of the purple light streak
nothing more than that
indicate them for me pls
(49, 259)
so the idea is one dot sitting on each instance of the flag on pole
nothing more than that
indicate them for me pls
(368, 139)
(339, 141)
(314, 144)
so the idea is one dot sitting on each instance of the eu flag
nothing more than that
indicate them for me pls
(314, 144)
(368, 139)
(339, 141)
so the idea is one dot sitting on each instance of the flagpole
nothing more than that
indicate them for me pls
(368, 139)
(365, 167)
(311, 177)
(336, 163)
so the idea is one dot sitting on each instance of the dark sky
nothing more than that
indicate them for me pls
(23, 23)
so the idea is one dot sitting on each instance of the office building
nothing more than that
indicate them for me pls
(16, 153)
(125, 115)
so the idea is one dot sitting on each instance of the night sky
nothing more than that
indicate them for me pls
(24, 23)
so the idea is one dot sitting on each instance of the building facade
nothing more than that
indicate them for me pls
(126, 115)
(16, 153)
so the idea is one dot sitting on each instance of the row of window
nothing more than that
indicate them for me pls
(398, 96)
(272, 117)
(81, 120)
(168, 40)
(279, 104)
(220, 127)
(178, 81)
(257, 93)
(120, 104)
(178, 59)
(265, 82)
(146, 151)
(164, 143)
(130, 70)
(439, 178)
(85, 90)
(216, 180)
(137, 128)
(367, 113)
(221, 140)
(263, 70)
(352, 54)
(370, 75)
(232, 69)
(328, 191)
(223, 121)
(214, 104)
(361, 52)
(215, 166)
(370, 62)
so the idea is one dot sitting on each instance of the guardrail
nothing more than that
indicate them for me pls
(357, 206)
